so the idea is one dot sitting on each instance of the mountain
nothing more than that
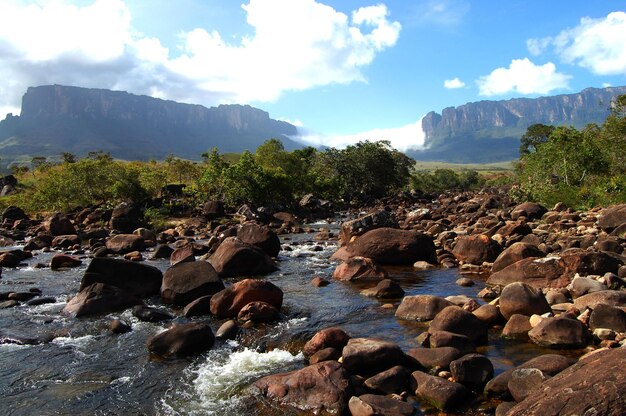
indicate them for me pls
(489, 131)
(56, 118)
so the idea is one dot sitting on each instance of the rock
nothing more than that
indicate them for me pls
(528, 210)
(9, 259)
(520, 298)
(63, 260)
(472, 370)
(359, 269)
(125, 218)
(385, 289)
(199, 307)
(559, 333)
(258, 312)
(536, 272)
(319, 281)
(592, 383)
(146, 234)
(514, 228)
(439, 339)
(148, 314)
(435, 357)
(228, 330)
(517, 327)
(327, 354)
(374, 405)
(465, 282)
(139, 279)
(187, 281)
(182, 340)
(613, 217)
(582, 285)
(318, 388)
(504, 407)
(359, 226)
(392, 246)
(233, 257)
(125, 243)
(326, 338)
(99, 299)
(421, 307)
(525, 382)
(41, 301)
(607, 297)
(368, 356)
(476, 249)
(212, 210)
(456, 320)
(228, 302)
(394, 380)
(182, 254)
(119, 327)
(260, 236)
(162, 251)
(59, 224)
(489, 314)
(440, 393)
(514, 253)
(13, 213)
(65, 241)
(610, 317)
(6, 304)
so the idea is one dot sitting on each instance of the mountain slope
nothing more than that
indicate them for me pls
(57, 119)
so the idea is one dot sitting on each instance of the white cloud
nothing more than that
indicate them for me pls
(606, 85)
(453, 83)
(410, 136)
(596, 44)
(446, 13)
(293, 45)
(523, 77)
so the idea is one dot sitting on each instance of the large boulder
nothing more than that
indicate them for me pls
(125, 243)
(607, 297)
(365, 223)
(605, 316)
(613, 217)
(459, 321)
(228, 302)
(476, 249)
(392, 246)
(434, 357)
(395, 380)
(187, 281)
(520, 298)
(594, 385)
(421, 307)
(126, 218)
(58, 224)
(332, 337)
(359, 269)
(139, 279)
(322, 387)
(100, 299)
(212, 210)
(260, 236)
(369, 356)
(528, 210)
(473, 370)
(559, 332)
(439, 392)
(233, 257)
(375, 405)
(182, 340)
(514, 253)
(536, 272)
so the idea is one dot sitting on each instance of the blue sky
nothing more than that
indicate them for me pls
(341, 70)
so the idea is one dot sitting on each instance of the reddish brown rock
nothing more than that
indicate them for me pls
(612, 217)
(476, 249)
(369, 356)
(538, 273)
(559, 333)
(361, 225)
(528, 210)
(187, 281)
(421, 307)
(64, 260)
(59, 224)
(139, 279)
(392, 246)
(100, 299)
(514, 253)
(258, 312)
(385, 289)
(440, 393)
(233, 257)
(125, 243)
(359, 269)
(228, 302)
(182, 254)
(326, 338)
(520, 298)
(374, 405)
(260, 236)
(456, 320)
(182, 340)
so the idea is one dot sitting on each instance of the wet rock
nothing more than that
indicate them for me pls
(421, 307)
(228, 302)
(439, 339)
(359, 226)
(117, 326)
(228, 330)
(359, 269)
(536, 272)
(65, 241)
(326, 354)
(125, 243)
(489, 314)
(528, 210)
(182, 340)
(456, 320)
(592, 383)
(465, 282)
(319, 281)
(385, 289)
(260, 236)
(59, 224)
(162, 251)
(559, 333)
(394, 380)
(100, 299)
(435, 357)
(233, 257)
(182, 254)
(520, 298)
(610, 317)
(472, 370)
(613, 217)
(368, 356)
(514, 253)
(6, 304)
(22, 296)
(517, 327)
(9, 259)
(476, 249)
(524, 382)
(41, 301)
(63, 260)
(258, 312)
(139, 279)
(148, 314)
(374, 405)
(318, 388)
(126, 218)
(332, 337)
(199, 307)
(392, 246)
(187, 281)
(440, 393)
(607, 297)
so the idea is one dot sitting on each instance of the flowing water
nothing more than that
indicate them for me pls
(87, 370)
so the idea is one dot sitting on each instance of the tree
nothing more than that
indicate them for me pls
(68, 157)
(535, 135)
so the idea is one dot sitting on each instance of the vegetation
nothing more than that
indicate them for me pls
(445, 180)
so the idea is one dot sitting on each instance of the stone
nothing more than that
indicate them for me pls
(434, 357)
(395, 380)
(100, 299)
(199, 307)
(63, 260)
(456, 320)
(559, 333)
(258, 312)
(59, 224)
(476, 249)
(536, 272)
(212, 210)
(118, 326)
(472, 370)
(141, 280)
(517, 327)
(421, 307)
(440, 393)
(187, 281)
(610, 317)
(374, 405)
(228, 330)
(369, 356)
(395, 247)
(162, 251)
(233, 257)
(319, 281)
(489, 314)
(125, 243)
(514, 228)
(149, 314)
(385, 289)
(125, 218)
(524, 382)
(228, 302)
(612, 217)
(326, 354)
(260, 236)
(520, 298)
(582, 285)
(608, 297)
(528, 210)
(363, 224)
(182, 254)
(332, 337)
(359, 269)
(182, 340)
(514, 253)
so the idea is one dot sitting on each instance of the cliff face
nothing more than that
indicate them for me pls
(490, 130)
(57, 118)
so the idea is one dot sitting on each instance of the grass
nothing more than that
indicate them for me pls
(479, 167)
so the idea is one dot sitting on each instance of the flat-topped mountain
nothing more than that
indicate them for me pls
(489, 131)
(56, 118)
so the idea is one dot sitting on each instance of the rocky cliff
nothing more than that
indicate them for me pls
(57, 118)
(489, 131)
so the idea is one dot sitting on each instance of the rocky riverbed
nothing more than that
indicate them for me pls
(469, 304)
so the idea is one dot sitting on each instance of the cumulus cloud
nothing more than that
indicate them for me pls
(524, 77)
(293, 45)
(453, 83)
(595, 44)
(410, 136)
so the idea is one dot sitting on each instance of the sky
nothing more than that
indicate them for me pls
(341, 71)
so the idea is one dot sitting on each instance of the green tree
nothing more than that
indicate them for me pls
(68, 157)
(535, 135)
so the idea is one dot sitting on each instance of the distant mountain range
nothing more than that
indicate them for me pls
(56, 118)
(489, 131)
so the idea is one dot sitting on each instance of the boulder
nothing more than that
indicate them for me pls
(392, 381)
(514, 253)
(610, 317)
(319, 388)
(162, 251)
(392, 246)
(439, 392)
(125, 243)
(369, 356)
(440, 339)
(326, 338)
(607, 297)
(258, 312)
(525, 382)
(327, 354)
(434, 357)
(488, 313)
(421, 307)
(100, 299)
(58, 224)
(536, 272)
(228, 302)
(182, 254)
(359, 269)
(385, 289)
(374, 405)
(146, 234)
(260, 236)
(148, 314)
(64, 260)
(520, 298)
(228, 330)
(559, 332)
(456, 320)
(476, 249)
(359, 226)
(514, 228)
(591, 386)
(139, 279)
(126, 218)
(65, 241)
(517, 327)
(182, 340)
(528, 210)
(212, 210)
(583, 285)
(187, 281)
(198, 307)
(233, 257)
(612, 217)
(472, 370)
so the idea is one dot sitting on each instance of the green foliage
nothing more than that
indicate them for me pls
(446, 180)
(157, 218)
(535, 135)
